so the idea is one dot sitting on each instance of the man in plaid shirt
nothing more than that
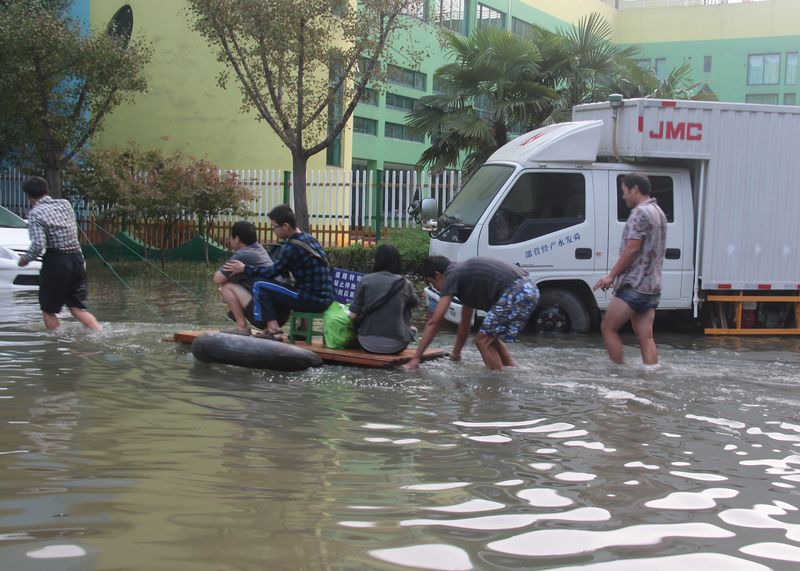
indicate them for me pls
(301, 255)
(62, 281)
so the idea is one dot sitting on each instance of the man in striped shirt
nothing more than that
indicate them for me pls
(62, 281)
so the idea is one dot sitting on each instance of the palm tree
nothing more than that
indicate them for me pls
(642, 82)
(581, 63)
(490, 88)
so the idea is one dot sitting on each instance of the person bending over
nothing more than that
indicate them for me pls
(505, 292)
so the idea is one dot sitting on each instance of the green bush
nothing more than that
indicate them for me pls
(356, 257)
(413, 244)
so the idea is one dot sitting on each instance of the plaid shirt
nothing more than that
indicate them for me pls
(51, 225)
(313, 276)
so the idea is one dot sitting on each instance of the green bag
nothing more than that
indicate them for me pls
(339, 331)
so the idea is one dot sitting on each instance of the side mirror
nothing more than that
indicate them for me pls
(429, 212)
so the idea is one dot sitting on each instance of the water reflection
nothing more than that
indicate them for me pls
(119, 451)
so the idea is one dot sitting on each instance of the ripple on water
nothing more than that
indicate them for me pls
(702, 500)
(438, 557)
(689, 562)
(512, 521)
(773, 550)
(554, 542)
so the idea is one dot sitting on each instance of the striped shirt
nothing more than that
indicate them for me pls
(51, 225)
(312, 274)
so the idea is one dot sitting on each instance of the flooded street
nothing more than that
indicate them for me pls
(119, 451)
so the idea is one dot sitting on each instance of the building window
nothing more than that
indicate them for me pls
(370, 97)
(490, 18)
(763, 69)
(791, 68)
(450, 14)
(442, 87)
(661, 68)
(521, 27)
(763, 98)
(415, 9)
(394, 101)
(790, 98)
(398, 131)
(407, 77)
(365, 126)
(706, 64)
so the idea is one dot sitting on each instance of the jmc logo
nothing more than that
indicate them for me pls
(681, 130)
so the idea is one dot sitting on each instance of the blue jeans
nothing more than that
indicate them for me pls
(639, 302)
(272, 302)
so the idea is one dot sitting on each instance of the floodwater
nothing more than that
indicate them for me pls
(119, 451)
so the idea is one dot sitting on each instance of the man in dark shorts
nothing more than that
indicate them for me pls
(505, 292)
(237, 290)
(636, 276)
(62, 280)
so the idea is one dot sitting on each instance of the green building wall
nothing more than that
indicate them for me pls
(727, 34)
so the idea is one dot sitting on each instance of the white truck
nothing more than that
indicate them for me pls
(727, 176)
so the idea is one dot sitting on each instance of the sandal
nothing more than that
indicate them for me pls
(276, 336)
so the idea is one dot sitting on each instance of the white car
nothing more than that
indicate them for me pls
(14, 241)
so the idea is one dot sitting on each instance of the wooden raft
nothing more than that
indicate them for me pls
(357, 357)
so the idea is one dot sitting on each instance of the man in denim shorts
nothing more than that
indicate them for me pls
(507, 293)
(636, 276)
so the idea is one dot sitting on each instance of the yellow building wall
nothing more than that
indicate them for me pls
(573, 10)
(773, 18)
(185, 108)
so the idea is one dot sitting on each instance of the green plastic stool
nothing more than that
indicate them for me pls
(308, 330)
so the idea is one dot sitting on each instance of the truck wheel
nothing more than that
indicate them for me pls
(561, 311)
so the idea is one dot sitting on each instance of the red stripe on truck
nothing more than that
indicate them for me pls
(669, 104)
(641, 123)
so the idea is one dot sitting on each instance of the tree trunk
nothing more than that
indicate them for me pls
(53, 176)
(299, 162)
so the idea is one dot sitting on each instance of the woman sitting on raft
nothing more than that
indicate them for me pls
(382, 305)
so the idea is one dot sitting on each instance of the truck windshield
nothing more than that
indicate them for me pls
(469, 204)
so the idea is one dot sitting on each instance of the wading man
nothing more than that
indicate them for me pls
(505, 292)
(62, 281)
(636, 276)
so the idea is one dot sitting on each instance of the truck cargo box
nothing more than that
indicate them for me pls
(745, 161)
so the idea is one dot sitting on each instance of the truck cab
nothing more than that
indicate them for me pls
(542, 203)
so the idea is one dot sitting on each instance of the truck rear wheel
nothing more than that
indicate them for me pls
(561, 311)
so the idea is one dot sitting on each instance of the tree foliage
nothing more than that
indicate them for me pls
(57, 85)
(153, 191)
(491, 87)
(303, 65)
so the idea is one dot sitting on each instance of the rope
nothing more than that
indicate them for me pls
(121, 279)
(148, 262)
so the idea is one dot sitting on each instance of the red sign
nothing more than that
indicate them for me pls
(678, 131)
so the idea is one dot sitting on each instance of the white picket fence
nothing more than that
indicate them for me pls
(334, 196)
